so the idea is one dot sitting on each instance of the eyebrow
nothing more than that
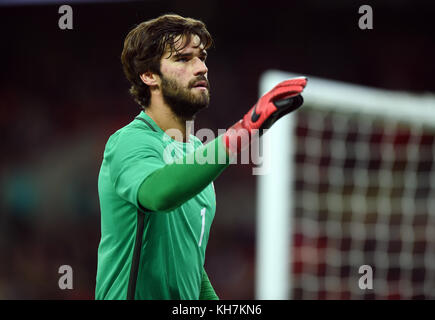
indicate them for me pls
(202, 53)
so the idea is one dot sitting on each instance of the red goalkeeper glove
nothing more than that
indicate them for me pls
(284, 98)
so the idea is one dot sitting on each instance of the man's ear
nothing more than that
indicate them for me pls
(149, 78)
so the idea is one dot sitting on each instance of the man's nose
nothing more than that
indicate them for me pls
(200, 67)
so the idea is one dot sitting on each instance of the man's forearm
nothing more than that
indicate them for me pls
(175, 183)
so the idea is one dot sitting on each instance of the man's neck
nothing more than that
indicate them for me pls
(174, 126)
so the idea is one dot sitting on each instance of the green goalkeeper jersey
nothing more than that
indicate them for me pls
(144, 254)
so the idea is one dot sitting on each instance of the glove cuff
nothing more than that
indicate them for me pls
(238, 137)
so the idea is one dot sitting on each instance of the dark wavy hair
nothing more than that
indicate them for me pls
(147, 42)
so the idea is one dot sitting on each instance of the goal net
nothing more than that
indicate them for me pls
(361, 195)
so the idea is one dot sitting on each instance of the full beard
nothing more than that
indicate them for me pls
(182, 101)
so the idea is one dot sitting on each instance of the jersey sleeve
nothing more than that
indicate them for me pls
(207, 290)
(178, 182)
(133, 156)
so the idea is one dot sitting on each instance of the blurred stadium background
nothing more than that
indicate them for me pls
(63, 93)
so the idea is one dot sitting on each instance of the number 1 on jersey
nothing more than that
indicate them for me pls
(203, 225)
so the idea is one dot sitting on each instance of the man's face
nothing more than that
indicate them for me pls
(184, 83)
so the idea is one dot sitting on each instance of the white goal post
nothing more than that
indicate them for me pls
(350, 182)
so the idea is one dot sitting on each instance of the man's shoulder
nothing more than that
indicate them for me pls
(134, 133)
(196, 141)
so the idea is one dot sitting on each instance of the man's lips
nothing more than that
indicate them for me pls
(201, 84)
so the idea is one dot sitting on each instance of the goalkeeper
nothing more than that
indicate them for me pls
(155, 216)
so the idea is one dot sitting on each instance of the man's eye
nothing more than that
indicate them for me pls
(183, 59)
